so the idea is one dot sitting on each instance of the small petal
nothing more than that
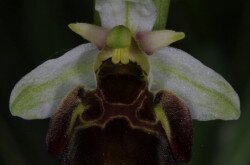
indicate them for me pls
(151, 41)
(94, 34)
(137, 15)
(37, 94)
(207, 95)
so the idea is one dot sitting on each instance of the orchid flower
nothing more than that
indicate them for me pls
(126, 97)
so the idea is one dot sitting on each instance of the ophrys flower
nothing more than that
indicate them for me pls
(125, 98)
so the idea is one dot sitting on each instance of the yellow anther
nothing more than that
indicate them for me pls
(120, 55)
(116, 58)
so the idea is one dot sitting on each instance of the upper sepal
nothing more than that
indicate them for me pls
(207, 94)
(137, 15)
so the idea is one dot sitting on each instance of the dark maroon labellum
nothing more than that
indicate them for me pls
(116, 124)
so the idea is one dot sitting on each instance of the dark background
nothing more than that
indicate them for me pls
(217, 33)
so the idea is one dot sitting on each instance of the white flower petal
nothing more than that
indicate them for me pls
(138, 15)
(154, 40)
(94, 34)
(39, 92)
(208, 95)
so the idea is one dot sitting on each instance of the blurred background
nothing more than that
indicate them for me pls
(217, 33)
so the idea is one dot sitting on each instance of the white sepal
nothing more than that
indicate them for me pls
(207, 94)
(38, 93)
(137, 15)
